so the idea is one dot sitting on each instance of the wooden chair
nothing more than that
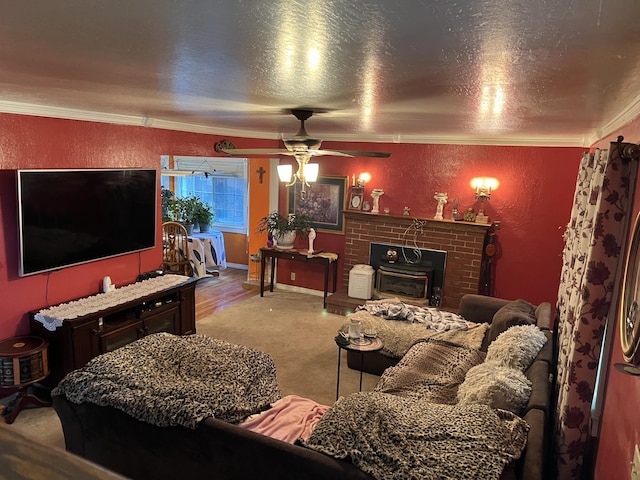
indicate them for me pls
(175, 250)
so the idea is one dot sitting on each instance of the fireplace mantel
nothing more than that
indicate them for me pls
(463, 242)
(403, 219)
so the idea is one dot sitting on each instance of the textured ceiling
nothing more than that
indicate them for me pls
(466, 71)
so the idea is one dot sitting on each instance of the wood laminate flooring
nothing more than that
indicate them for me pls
(216, 293)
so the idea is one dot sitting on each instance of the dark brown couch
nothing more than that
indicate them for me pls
(216, 449)
(478, 308)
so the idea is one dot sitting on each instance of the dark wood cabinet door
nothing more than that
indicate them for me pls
(166, 320)
(112, 338)
(85, 343)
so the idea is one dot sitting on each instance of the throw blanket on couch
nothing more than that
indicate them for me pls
(432, 370)
(392, 437)
(168, 380)
(430, 317)
(399, 336)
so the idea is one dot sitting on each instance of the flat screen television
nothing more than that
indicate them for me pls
(69, 217)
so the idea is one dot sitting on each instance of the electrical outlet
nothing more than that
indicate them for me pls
(293, 277)
(635, 466)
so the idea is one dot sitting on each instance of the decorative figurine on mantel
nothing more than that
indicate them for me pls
(481, 217)
(469, 215)
(442, 199)
(376, 194)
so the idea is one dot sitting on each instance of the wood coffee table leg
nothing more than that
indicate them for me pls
(22, 400)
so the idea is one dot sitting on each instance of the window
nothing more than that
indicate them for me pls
(221, 182)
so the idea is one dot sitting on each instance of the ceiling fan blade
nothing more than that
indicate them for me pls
(256, 151)
(312, 153)
(356, 153)
(335, 153)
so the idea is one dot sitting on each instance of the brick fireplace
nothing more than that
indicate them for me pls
(463, 242)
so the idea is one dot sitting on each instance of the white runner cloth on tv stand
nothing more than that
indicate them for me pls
(53, 317)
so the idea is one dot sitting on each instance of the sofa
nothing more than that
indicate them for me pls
(478, 309)
(221, 449)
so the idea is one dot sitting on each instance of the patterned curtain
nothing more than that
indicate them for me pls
(594, 239)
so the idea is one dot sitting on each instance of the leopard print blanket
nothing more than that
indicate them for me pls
(432, 369)
(393, 437)
(168, 380)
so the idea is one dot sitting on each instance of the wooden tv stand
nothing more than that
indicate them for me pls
(80, 339)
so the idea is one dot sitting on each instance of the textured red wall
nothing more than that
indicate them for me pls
(620, 422)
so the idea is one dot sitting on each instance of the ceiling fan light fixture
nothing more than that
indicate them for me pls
(285, 172)
(311, 172)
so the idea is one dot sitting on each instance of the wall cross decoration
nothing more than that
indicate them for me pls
(261, 171)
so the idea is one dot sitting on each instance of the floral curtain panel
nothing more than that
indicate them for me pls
(594, 239)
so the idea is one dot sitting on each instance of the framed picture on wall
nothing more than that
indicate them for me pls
(324, 201)
(356, 196)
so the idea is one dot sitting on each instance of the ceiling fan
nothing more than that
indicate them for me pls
(303, 144)
(302, 147)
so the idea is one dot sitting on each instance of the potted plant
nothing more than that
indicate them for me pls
(284, 229)
(183, 210)
(203, 215)
(167, 197)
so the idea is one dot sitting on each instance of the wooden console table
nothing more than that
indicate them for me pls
(274, 253)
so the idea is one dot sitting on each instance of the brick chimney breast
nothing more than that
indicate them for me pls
(463, 242)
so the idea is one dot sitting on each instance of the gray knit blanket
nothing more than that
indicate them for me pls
(399, 336)
(168, 380)
(432, 370)
(393, 437)
(430, 317)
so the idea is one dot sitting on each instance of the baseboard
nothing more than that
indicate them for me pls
(293, 288)
(239, 266)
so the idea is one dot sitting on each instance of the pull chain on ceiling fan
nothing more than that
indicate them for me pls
(302, 147)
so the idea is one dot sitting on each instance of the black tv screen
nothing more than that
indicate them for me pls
(68, 217)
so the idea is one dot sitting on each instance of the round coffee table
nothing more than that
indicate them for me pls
(362, 345)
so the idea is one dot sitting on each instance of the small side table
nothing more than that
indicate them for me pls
(23, 362)
(365, 344)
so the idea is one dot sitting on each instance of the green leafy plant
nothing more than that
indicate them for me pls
(167, 197)
(203, 213)
(277, 224)
(184, 209)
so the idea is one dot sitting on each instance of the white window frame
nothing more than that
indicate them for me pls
(222, 167)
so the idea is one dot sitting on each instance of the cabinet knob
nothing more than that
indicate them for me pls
(95, 332)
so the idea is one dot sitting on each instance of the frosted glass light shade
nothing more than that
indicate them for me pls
(311, 172)
(284, 172)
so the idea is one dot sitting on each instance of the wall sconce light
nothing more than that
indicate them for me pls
(363, 178)
(483, 187)
(307, 172)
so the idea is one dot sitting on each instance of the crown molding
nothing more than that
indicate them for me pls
(631, 112)
(505, 140)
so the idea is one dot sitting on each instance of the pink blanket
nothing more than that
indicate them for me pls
(290, 418)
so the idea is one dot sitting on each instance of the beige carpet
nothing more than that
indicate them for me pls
(299, 336)
(291, 327)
